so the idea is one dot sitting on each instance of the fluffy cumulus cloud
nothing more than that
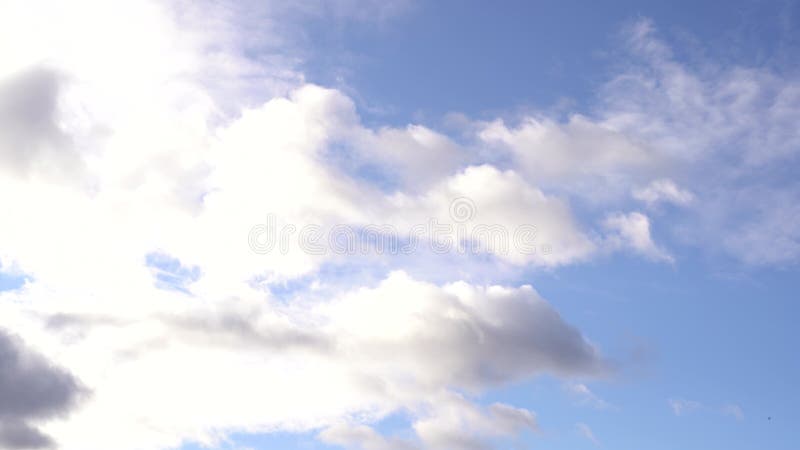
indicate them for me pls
(264, 365)
(158, 187)
(548, 149)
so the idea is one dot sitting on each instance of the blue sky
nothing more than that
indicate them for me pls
(653, 146)
(444, 57)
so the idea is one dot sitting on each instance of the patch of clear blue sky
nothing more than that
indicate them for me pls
(11, 279)
(481, 59)
(684, 332)
(170, 273)
(706, 329)
(9, 282)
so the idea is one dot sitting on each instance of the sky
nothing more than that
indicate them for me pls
(397, 225)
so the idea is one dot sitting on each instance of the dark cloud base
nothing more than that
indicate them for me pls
(31, 389)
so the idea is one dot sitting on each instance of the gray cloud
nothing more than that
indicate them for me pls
(66, 321)
(244, 328)
(30, 136)
(31, 389)
(472, 338)
(17, 434)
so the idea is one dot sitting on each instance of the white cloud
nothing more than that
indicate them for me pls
(632, 231)
(579, 147)
(663, 190)
(262, 366)
(415, 157)
(501, 198)
(456, 424)
(449, 421)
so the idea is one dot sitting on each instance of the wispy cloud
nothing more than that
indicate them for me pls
(584, 396)
(663, 190)
(587, 433)
(734, 411)
(682, 406)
